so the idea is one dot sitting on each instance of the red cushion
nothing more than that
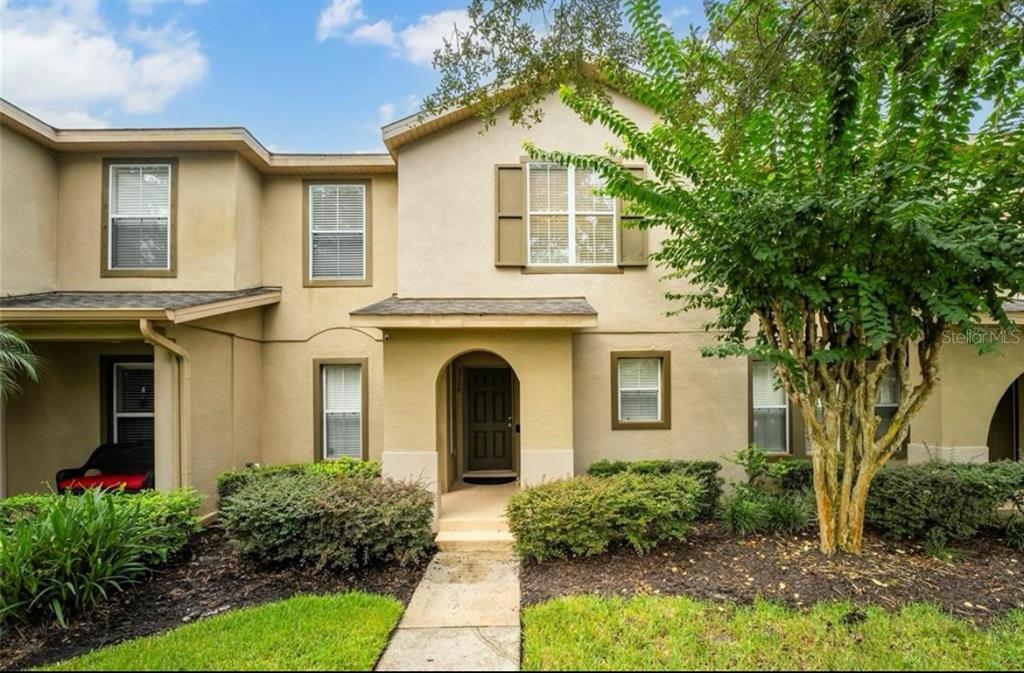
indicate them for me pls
(131, 482)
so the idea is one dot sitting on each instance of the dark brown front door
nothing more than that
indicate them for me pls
(490, 432)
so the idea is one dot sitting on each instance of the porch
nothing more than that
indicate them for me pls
(472, 517)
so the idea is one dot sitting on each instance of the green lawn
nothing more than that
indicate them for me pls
(590, 633)
(341, 632)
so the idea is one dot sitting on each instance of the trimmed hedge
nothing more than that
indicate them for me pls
(587, 515)
(704, 471)
(328, 521)
(230, 482)
(62, 554)
(944, 501)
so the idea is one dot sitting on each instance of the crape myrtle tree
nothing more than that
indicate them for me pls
(843, 182)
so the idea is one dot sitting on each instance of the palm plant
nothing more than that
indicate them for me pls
(16, 360)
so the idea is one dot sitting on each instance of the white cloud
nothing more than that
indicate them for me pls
(148, 6)
(61, 60)
(379, 33)
(386, 113)
(422, 38)
(415, 43)
(338, 15)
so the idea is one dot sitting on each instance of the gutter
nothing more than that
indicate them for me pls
(154, 338)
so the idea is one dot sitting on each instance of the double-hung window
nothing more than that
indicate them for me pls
(133, 403)
(139, 204)
(569, 222)
(337, 231)
(771, 410)
(342, 424)
(887, 399)
(640, 390)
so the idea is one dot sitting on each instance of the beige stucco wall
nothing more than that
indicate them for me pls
(212, 210)
(55, 423)
(28, 215)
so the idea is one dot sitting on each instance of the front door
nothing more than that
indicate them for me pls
(490, 427)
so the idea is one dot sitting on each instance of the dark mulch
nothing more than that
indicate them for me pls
(208, 579)
(985, 580)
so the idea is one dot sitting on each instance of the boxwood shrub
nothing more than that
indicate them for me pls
(229, 482)
(942, 501)
(704, 471)
(62, 554)
(588, 515)
(326, 521)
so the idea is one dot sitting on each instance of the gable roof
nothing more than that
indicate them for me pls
(231, 138)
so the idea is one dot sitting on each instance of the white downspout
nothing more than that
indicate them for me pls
(154, 338)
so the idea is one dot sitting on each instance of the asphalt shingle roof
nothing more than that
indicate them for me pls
(129, 300)
(481, 306)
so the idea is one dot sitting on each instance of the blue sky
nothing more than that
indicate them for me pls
(302, 75)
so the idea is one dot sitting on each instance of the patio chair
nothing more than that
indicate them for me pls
(127, 466)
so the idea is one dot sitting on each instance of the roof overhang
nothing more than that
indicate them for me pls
(119, 314)
(477, 313)
(233, 138)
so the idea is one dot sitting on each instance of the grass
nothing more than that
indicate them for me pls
(650, 633)
(340, 632)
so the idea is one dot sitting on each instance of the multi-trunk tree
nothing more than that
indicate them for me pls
(843, 182)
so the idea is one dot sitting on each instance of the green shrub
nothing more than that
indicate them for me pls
(793, 475)
(932, 500)
(704, 471)
(229, 482)
(65, 554)
(328, 521)
(750, 511)
(588, 515)
(1013, 532)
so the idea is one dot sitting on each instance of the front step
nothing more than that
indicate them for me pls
(474, 540)
(482, 525)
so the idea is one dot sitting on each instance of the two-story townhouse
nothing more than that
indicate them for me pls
(449, 308)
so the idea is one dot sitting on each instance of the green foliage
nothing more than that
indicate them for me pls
(933, 501)
(1013, 532)
(16, 361)
(751, 511)
(754, 462)
(586, 516)
(328, 521)
(793, 474)
(345, 632)
(65, 554)
(704, 471)
(230, 482)
(652, 633)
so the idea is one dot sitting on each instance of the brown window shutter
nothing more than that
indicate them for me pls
(509, 220)
(632, 241)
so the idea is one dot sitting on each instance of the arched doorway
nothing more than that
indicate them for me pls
(479, 404)
(1006, 431)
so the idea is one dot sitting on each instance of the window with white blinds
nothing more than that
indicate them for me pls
(887, 400)
(342, 411)
(569, 222)
(139, 226)
(337, 231)
(133, 403)
(771, 410)
(639, 389)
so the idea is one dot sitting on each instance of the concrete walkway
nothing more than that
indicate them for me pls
(463, 616)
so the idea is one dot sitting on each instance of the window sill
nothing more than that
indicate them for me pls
(366, 282)
(571, 269)
(641, 425)
(138, 273)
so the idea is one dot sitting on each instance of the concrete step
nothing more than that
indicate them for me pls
(489, 525)
(474, 540)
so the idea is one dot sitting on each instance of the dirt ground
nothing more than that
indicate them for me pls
(985, 580)
(207, 579)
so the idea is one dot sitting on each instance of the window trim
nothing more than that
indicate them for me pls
(171, 270)
(570, 214)
(307, 234)
(751, 408)
(318, 405)
(115, 415)
(665, 423)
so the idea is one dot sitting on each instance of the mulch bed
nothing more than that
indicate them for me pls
(208, 578)
(986, 579)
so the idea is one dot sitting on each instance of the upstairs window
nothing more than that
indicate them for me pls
(337, 232)
(771, 410)
(569, 223)
(139, 205)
